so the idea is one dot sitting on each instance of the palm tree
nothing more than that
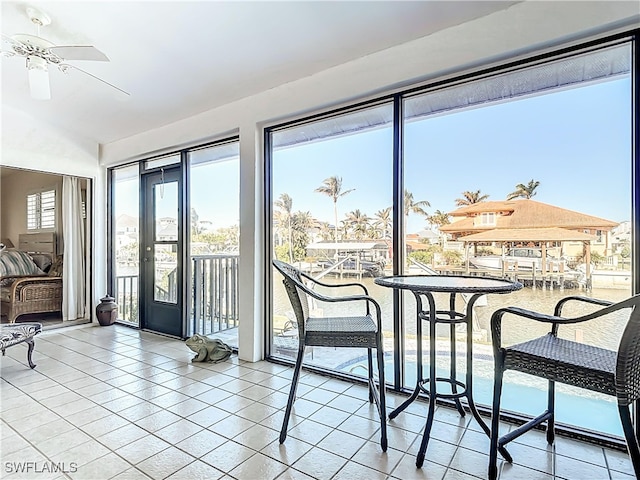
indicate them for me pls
(325, 231)
(195, 222)
(524, 191)
(439, 218)
(285, 204)
(301, 222)
(383, 221)
(469, 198)
(411, 206)
(358, 222)
(332, 187)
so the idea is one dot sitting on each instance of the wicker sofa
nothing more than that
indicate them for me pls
(25, 288)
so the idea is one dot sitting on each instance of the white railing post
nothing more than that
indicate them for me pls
(198, 317)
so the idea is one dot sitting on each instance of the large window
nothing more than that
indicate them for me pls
(332, 218)
(214, 218)
(512, 158)
(524, 172)
(126, 241)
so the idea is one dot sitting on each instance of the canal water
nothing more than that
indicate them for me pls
(604, 334)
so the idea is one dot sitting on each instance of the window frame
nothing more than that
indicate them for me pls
(559, 52)
(487, 219)
(39, 210)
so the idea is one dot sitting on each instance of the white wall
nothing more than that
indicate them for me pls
(14, 188)
(30, 144)
(525, 27)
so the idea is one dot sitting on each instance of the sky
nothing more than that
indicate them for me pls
(576, 142)
(214, 188)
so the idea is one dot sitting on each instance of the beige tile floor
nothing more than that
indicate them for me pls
(117, 403)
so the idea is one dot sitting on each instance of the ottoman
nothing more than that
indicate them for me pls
(15, 333)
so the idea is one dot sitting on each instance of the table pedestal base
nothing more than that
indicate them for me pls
(470, 288)
(429, 385)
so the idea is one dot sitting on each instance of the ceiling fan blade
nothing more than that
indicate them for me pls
(79, 52)
(65, 66)
(10, 41)
(7, 38)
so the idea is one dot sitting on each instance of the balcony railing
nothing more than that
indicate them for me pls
(214, 294)
(127, 297)
(214, 302)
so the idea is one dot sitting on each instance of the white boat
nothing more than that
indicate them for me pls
(518, 258)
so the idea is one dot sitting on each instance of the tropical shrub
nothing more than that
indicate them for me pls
(422, 256)
(625, 252)
(282, 252)
(596, 258)
(452, 257)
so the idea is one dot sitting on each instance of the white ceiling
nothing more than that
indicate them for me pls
(178, 59)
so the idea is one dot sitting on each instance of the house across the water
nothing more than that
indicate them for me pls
(526, 222)
(562, 238)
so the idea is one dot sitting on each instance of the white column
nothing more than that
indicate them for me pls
(251, 295)
(97, 238)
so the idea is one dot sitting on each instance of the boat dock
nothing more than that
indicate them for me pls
(358, 260)
(528, 277)
(350, 266)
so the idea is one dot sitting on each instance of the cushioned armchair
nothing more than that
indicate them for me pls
(25, 288)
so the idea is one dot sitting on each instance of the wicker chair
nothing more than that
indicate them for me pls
(30, 294)
(572, 363)
(352, 331)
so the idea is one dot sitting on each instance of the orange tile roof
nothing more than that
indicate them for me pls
(524, 213)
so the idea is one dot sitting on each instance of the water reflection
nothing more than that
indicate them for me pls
(604, 334)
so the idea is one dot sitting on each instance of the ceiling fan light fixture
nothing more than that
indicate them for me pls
(40, 53)
(38, 78)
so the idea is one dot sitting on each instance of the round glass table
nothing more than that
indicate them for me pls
(423, 287)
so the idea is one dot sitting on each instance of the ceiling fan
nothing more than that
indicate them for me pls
(40, 53)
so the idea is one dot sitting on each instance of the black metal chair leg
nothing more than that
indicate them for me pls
(383, 405)
(292, 394)
(459, 407)
(370, 370)
(495, 424)
(551, 409)
(630, 437)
